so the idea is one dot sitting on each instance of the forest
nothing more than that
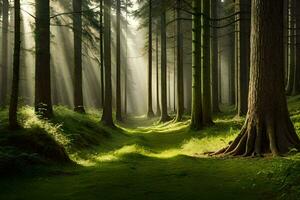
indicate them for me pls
(149, 99)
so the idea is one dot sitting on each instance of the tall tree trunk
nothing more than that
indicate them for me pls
(164, 97)
(4, 61)
(107, 111)
(158, 110)
(232, 69)
(43, 102)
(244, 54)
(206, 84)
(196, 115)
(150, 108)
(268, 128)
(118, 64)
(101, 54)
(296, 88)
(180, 90)
(13, 108)
(126, 63)
(77, 29)
(291, 63)
(215, 60)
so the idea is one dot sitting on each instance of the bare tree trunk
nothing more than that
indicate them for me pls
(101, 54)
(43, 101)
(13, 108)
(296, 88)
(158, 110)
(150, 108)
(268, 128)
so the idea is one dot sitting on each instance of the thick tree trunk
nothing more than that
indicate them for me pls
(196, 115)
(180, 92)
(296, 88)
(244, 55)
(158, 110)
(206, 81)
(107, 111)
(215, 61)
(43, 102)
(118, 64)
(150, 108)
(268, 128)
(291, 63)
(77, 29)
(164, 97)
(4, 63)
(101, 54)
(13, 108)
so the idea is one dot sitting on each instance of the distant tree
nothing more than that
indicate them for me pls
(13, 108)
(107, 110)
(296, 87)
(158, 110)
(4, 61)
(150, 108)
(43, 102)
(77, 30)
(196, 115)
(180, 88)
(268, 128)
(101, 54)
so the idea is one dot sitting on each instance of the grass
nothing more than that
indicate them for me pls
(145, 160)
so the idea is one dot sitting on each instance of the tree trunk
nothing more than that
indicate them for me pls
(150, 108)
(101, 54)
(118, 64)
(268, 128)
(4, 62)
(291, 63)
(244, 54)
(164, 98)
(206, 84)
(107, 111)
(180, 92)
(196, 117)
(77, 29)
(296, 88)
(215, 61)
(158, 110)
(13, 108)
(43, 102)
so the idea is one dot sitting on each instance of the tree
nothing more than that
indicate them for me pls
(196, 115)
(158, 110)
(101, 54)
(296, 87)
(268, 128)
(118, 64)
(13, 108)
(180, 91)
(164, 98)
(150, 108)
(43, 102)
(107, 110)
(206, 81)
(77, 29)
(215, 60)
(4, 63)
(243, 55)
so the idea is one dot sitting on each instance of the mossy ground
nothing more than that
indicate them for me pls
(144, 160)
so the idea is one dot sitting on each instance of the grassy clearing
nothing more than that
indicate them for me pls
(145, 160)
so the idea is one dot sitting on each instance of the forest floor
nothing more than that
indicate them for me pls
(144, 160)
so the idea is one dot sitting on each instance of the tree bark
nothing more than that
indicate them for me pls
(215, 61)
(268, 128)
(150, 108)
(4, 62)
(164, 97)
(158, 110)
(196, 115)
(118, 64)
(107, 111)
(180, 90)
(101, 54)
(13, 108)
(296, 88)
(43, 101)
(77, 29)
(206, 81)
